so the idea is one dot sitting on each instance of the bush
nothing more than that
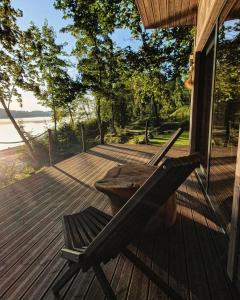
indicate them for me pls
(137, 139)
(181, 114)
(174, 125)
(121, 136)
(139, 124)
(67, 134)
(12, 172)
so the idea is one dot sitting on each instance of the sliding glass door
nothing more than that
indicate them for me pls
(226, 119)
(206, 83)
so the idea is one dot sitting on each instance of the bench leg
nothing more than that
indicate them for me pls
(104, 283)
(74, 268)
(151, 275)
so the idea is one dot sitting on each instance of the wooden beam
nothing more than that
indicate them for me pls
(234, 241)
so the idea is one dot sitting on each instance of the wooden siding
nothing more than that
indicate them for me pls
(170, 13)
(188, 256)
(208, 12)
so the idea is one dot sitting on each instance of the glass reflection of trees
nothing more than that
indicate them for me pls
(226, 117)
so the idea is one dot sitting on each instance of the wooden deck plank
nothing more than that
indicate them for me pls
(178, 279)
(198, 284)
(139, 285)
(217, 257)
(124, 275)
(160, 263)
(212, 267)
(41, 287)
(31, 235)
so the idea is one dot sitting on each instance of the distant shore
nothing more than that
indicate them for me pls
(24, 114)
(26, 120)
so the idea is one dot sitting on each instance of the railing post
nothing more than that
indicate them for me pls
(82, 137)
(50, 146)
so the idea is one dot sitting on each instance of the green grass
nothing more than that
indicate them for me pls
(160, 139)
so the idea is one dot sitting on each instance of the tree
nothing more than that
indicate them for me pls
(92, 24)
(162, 58)
(47, 62)
(12, 65)
(149, 96)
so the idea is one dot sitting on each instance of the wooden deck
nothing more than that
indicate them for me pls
(190, 256)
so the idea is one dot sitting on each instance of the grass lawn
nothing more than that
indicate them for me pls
(160, 139)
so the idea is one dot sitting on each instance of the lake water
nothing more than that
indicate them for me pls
(34, 126)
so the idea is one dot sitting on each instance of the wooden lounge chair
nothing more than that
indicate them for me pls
(93, 237)
(165, 148)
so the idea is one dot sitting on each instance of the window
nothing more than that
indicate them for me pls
(226, 117)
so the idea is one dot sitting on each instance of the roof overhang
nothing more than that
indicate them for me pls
(168, 13)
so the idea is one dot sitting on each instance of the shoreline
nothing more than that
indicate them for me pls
(11, 156)
(9, 151)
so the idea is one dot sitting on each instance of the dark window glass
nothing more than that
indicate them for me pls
(226, 117)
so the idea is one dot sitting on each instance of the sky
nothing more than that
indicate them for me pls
(40, 10)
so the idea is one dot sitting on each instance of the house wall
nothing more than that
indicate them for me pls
(211, 11)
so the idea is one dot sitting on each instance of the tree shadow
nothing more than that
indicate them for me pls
(149, 154)
(74, 178)
(112, 158)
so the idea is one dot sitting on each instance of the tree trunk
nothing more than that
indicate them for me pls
(100, 122)
(70, 113)
(155, 112)
(100, 84)
(54, 116)
(146, 133)
(85, 110)
(82, 137)
(113, 117)
(28, 145)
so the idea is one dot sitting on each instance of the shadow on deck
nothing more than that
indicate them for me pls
(190, 256)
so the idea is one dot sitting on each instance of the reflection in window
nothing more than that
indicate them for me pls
(226, 117)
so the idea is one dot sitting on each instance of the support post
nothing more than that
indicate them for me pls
(234, 239)
(50, 147)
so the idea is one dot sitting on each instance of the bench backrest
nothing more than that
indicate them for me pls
(139, 209)
(165, 148)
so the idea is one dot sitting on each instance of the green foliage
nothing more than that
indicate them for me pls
(137, 139)
(12, 172)
(47, 61)
(7, 174)
(117, 86)
(227, 67)
(67, 135)
(12, 73)
(181, 114)
(120, 137)
(127, 85)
